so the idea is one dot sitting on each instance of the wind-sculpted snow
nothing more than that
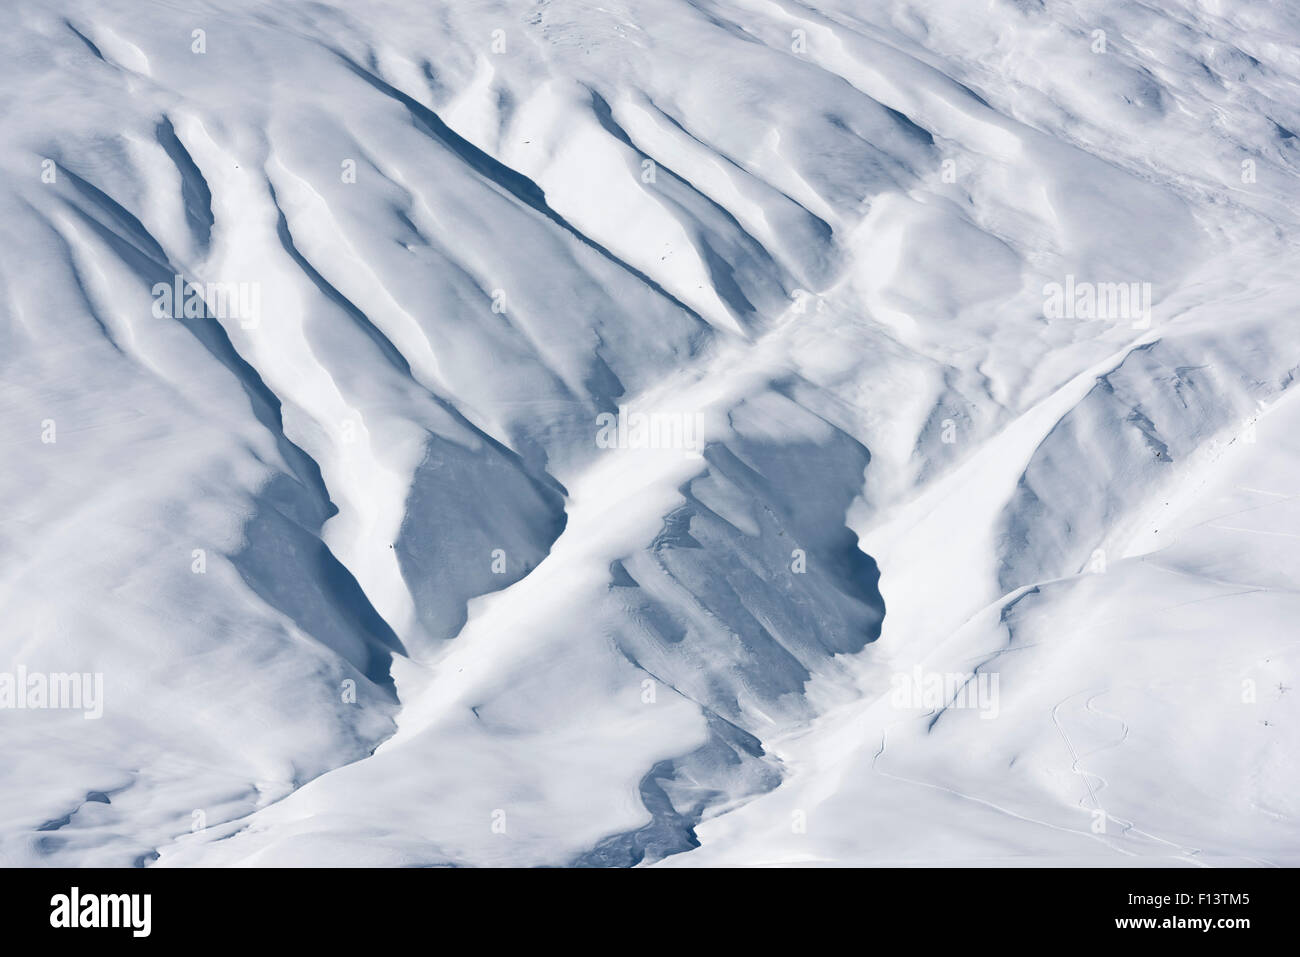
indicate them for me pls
(601, 434)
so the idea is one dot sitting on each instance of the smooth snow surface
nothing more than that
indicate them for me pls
(367, 582)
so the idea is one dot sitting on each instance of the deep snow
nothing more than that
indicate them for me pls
(366, 585)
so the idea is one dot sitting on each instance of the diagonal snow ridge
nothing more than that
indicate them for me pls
(595, 412)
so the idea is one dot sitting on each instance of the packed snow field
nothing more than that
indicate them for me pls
(660, 432)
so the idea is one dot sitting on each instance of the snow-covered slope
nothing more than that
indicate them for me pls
(604, 426)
